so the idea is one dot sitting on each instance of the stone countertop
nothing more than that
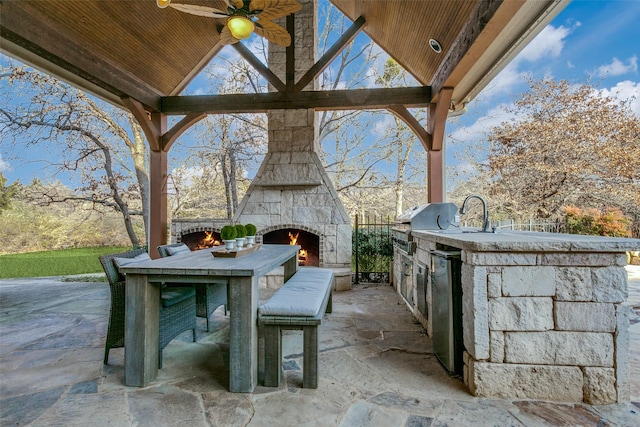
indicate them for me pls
(526, 241)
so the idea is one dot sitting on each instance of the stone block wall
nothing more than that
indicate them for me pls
(546, 326)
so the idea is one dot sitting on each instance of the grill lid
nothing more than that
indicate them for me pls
(432, 216)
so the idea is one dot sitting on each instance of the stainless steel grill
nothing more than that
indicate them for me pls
(434, 216)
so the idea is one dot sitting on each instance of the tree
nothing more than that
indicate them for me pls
(103, 147)
(226, 145)
(6, 193)
(566, 145)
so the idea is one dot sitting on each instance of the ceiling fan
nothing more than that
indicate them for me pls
(245, 17)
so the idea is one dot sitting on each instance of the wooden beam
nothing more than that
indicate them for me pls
(290, 66)
(178, 129)
(438, 118)
(478, 19)
(435, 176)
(356, 99)
(330, 54)
(405, 115)
(260, 67)
(152, 128)
(158, 222)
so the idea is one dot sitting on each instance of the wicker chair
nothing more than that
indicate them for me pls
(209, 296)
(177, 308)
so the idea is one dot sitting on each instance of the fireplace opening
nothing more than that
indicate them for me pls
(309, 254)
(201, 240)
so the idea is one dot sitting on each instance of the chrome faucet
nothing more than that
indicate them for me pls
(486, 224)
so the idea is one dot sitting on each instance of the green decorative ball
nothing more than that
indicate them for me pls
(241, 231)
(251, 229)
(228, 232)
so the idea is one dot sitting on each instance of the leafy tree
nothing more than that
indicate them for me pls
(102, 146)
(609, 222)
(6, 193)
(566, 145)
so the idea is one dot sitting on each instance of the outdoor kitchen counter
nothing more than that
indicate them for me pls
(544, 315)
(524, 241)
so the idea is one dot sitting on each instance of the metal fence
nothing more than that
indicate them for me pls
(549, 226)
(372, 249)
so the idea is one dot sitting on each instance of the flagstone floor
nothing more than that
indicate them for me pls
(376, 367)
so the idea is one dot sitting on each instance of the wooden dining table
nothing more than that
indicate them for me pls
(143, 282)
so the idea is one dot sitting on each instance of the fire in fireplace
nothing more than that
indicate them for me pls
(309, 254)
(201, 240)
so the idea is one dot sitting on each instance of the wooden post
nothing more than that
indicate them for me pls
(435, 172)
(158, 200)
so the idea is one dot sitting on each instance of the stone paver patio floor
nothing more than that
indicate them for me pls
(376, 368)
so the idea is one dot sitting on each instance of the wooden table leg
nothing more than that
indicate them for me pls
(141, 331)
(290, 267)
(243, 339)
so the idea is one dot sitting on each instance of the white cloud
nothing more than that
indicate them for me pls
(380, 126)
(549, 43)
(618, 68)
(626, 91)
(482, 126)
(4, 166)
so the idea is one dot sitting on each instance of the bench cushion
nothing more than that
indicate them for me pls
(173, 250)
(171, 296)
(302, 295)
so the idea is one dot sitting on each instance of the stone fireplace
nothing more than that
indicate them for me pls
(291, 192)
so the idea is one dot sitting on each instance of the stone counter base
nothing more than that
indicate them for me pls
(549, 326)
(596, 386)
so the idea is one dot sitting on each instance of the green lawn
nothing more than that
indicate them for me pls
(55, 263)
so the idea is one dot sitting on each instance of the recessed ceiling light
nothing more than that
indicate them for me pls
(435, 45)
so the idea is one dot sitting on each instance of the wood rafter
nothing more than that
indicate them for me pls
(153, 124)
(331, 54)
(169, 137)
(438, 118)
(260, 67)
(355, 99)
(290, 66)
(405, 115)
(480, 16)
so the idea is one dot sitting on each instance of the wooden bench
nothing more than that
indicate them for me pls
(298, 305)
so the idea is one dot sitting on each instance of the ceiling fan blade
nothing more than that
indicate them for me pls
(274, 9)
(226, 37)
(272, 32)
(209, 12)
(236, 4)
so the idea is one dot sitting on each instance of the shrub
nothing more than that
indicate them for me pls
(228, 232)
(241, 231)
(610, 222)
(251, 229)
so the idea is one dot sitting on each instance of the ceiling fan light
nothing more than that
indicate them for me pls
(240, 26)
(163, 3)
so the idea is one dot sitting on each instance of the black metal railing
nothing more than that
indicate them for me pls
(372, 249)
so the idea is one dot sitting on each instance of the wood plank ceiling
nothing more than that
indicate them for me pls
(407, 25)
(131, 48)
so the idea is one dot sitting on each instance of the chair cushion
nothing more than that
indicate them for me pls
(171, 296)
(173, 250)
(121, 262)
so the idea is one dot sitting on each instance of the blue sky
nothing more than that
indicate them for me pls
(589, 39)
